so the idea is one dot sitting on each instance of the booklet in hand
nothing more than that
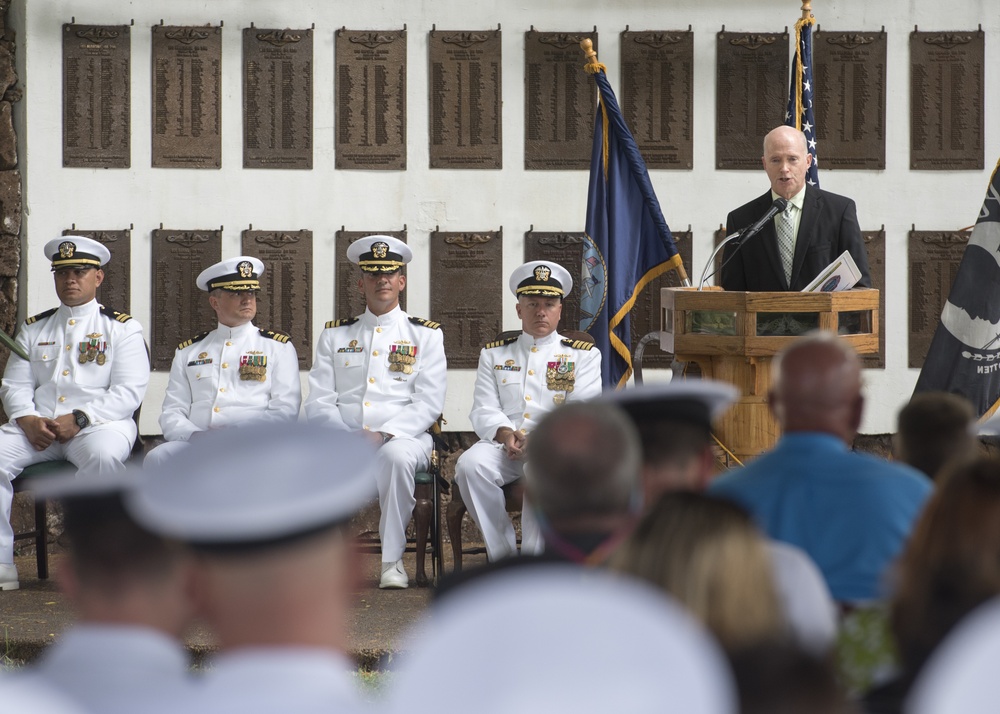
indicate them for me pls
(841, 274)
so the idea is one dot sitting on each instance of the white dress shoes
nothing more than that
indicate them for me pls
(394, 576)
(8, 577)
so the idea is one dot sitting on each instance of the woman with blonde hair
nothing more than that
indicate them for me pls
(708, 555)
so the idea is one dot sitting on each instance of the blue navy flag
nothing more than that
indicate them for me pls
(800, 95)
(964, 356)
(628, 244)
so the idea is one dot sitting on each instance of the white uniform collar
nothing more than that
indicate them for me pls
(371, 319)
(527, 340)
(85, 310)
(239, 332)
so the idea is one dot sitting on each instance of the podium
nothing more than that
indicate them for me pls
(733, 336)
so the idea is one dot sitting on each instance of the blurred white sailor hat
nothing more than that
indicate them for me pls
(239, 274)
(692, 401)
(256, 485)
(379, 254)
(76, 252)
(541, 277)
(584, 641)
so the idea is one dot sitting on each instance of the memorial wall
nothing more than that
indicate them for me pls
(182, 132)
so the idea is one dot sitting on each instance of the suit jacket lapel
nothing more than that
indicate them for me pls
(807, 229)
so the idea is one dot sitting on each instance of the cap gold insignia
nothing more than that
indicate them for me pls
(542, 273)
(380, 250)
(67, 249)
(245, 269)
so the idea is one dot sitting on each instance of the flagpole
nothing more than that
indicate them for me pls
(806, 9)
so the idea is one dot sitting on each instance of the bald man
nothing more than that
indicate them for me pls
(815, 228)
(850, 512)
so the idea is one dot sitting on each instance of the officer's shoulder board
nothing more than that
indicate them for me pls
(341, 323)
(578, 344)
(425, 323)
(276, 336)
(501, 343)
(114, 314)
(40, 316)
(196, 338)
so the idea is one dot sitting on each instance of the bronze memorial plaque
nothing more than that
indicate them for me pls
(467, 292)
(947, 71)
(348, 300)
(934, 257)
(187, 97)
(849, 71)
(658, 95)
(370, 98)
(116, 290)
(875, 250)
(180, 309)
(565, 249)
(465, 97)
(277, 99)
(559, 101)
(750, 96)
(285, 300)
(644, 317)
(97, 106)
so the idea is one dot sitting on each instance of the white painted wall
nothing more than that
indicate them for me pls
(324, 199)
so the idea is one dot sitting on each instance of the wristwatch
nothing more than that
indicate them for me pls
(82, 420)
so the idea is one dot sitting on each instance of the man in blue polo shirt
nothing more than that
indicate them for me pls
(851, 512)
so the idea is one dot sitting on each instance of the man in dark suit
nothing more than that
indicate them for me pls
(816, 227)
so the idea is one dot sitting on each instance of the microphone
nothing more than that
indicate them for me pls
(777, 207)
(739, 237)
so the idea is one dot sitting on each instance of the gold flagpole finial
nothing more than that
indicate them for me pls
(587, 45)
(806, 9)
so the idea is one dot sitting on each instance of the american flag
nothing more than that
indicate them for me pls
(800, 96)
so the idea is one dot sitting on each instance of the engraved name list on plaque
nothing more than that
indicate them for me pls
(465, 100)
(370, 99)
(284, 303)
(187, 97)
(467, 292)
(97, 108)
(277, 98)
(934, 258)
(348, 299)
(180, 309)
(559, 101)
(116, 290)
(751, 94)
(947, 71)
(849, 69)
(658, 95)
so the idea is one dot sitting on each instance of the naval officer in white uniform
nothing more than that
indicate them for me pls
(233, 374)
(73, 398)
(520, 380)
(383, 373)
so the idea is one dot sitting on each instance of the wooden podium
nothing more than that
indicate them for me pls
(732, 337)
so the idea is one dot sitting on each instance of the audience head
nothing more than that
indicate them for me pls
(583, 467)
(708, 554)
(117, 572)
(817, 387)
(933, 429)
(263, 507)
(674, 423)
(779, 677)
(952, 561)
(559, 638)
